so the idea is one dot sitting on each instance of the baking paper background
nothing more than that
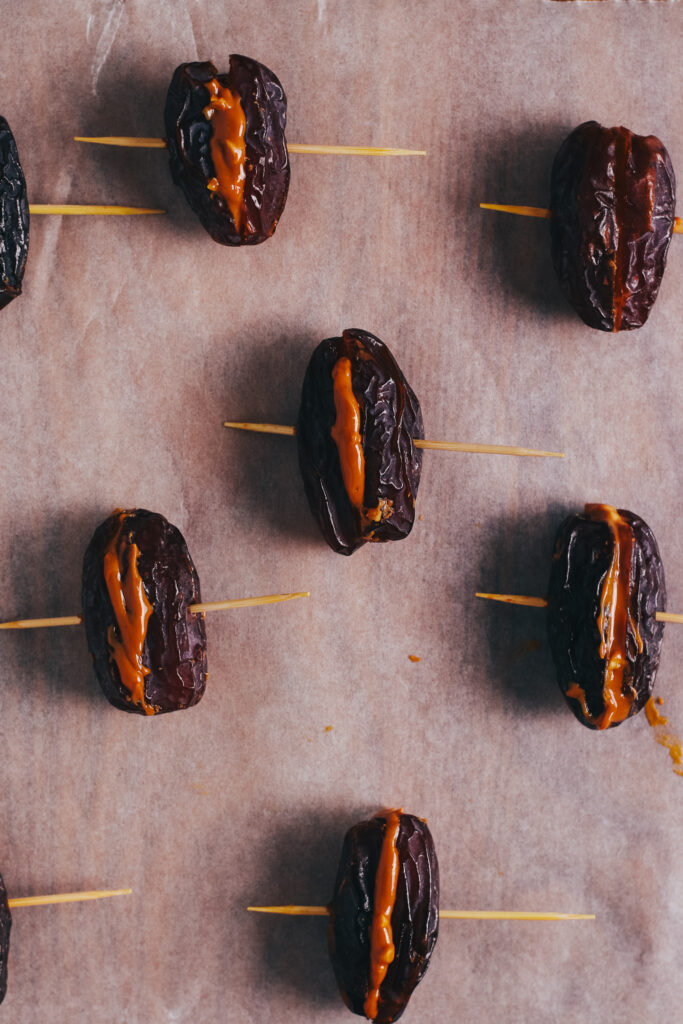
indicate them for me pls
(136, 337)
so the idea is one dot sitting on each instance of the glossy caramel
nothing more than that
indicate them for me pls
(346, 432)
(228, 147)
(132, 609)
(382, 950)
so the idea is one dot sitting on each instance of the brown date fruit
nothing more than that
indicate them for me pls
(612, 203)
(357, 421)
(226, 140)
(369, 985)
(606, 587)
(5, 926)
(148, 648)
(14, 218)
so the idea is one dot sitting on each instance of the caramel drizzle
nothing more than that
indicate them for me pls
(382, 950)
(613, 621)
(346, 432)
(228, 147)
(132, 610)
(347, 437)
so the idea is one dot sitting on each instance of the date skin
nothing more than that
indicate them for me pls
(175, 640)
(414, 921)
(267, 169)
(5, 926)
(14, 218)
(582, 559)
(390, 419)
(613, 197)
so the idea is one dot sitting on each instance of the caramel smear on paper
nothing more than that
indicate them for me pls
(672, 743)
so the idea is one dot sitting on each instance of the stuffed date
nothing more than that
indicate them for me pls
(5, 926)
(612, 216)
(606, 586)
(14, 218)
(384, 916)
(356, 429)
(226, 139)
(148, 648)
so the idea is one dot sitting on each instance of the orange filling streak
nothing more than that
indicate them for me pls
(228, 147)
(132, 610)
(613, 621)
(346, 432)
(382, 951)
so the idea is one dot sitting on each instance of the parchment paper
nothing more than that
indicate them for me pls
(135, 338)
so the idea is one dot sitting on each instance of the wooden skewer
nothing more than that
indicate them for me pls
(66, 897)
(454, 915)
(540, 602)
(441, 446)
(204, 606)
(75, 210)
(539, 211)
(135, 142)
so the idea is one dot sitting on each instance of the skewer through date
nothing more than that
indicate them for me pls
(14, 216)
(606, 613)
(143, 614)
(360, 439)
(384, 914)
(225, 133)
(7, 905)
(612, 214)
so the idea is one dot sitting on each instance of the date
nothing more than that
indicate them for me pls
(226, 140)
(612, 203)
(14, 218)
(148, 648)
(606, 586)
(357, 424)
(382, 932)
(5, 927)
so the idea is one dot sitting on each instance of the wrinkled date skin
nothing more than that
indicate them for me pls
(612, 202)
(175, 639)
(390, 418)
(5, 926)
(414, 921)
(584, 551)
(14, 218)
(266, 166)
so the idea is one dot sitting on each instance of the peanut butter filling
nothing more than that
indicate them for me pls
(228, 147)
(382, 950)
(132, 610)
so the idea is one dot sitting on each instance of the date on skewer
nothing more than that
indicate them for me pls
(360, 439)
(14, 216)
(143, 614)
(606, 613)
(384, 915)
(612, 215)
(225, 133)
(7, 905)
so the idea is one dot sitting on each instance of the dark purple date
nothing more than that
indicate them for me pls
(606, 587)
(612, 202)
(148, 648)
(5, 926)
(414, 918)
(14, 218)
(240, 144)
(362, 484)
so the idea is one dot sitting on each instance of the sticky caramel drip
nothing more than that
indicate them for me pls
(613, 620)
(346, 432)
(228, 147)
(132, 610)
(382, 950)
